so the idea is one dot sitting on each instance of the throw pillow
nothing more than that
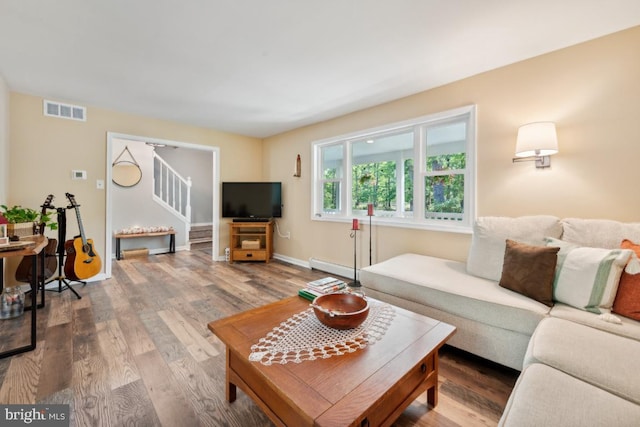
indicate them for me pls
(486, 253)
(587, 278)
(598, 233)
(530, 270)
(627, 302)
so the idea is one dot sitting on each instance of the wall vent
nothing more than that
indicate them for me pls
(65, 111)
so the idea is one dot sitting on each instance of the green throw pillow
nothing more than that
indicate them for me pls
(587, 278)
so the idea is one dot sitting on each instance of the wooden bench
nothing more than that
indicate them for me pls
(170, 233)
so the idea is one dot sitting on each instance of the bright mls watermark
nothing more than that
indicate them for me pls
(34, 415)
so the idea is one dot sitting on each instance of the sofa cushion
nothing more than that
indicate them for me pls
(445, 285)
(486, 253)
(627, 302)
(587, 278)
(626, 328)
(592, 355)
(530, 270)
(599, 233)
(544, 396)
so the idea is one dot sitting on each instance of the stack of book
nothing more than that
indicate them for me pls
(322, 286)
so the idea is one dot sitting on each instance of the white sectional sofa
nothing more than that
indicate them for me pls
(578, 361)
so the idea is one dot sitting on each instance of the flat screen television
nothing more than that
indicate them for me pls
(252, 200)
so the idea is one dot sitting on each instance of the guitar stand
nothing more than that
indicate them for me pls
(62, 233)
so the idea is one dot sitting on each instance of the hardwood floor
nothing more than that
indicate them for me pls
(135, 350)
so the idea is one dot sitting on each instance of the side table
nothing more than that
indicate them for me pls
(39, 243)
(170, 233)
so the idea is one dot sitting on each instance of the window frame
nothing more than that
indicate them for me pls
(417, 219)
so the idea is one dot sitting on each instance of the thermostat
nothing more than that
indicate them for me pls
(75, 174)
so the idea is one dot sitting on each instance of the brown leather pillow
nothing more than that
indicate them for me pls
(627, 302)
(530, 270)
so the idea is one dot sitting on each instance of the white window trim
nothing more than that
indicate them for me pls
(417, 221)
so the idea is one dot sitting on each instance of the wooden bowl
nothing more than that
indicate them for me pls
(341, 311)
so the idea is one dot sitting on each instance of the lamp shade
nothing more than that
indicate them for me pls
(537, 139)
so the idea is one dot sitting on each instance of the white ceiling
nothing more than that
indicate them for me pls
(261, 67)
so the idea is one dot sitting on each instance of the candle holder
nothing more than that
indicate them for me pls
(355, 286)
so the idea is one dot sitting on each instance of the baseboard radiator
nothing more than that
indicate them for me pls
(335, 269)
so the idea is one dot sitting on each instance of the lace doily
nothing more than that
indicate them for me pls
(303, 337)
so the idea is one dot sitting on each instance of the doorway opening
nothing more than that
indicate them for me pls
(126, 205)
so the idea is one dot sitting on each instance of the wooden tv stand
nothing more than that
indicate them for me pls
(251, 241)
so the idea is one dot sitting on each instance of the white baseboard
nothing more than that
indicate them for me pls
(329, 267)
(294, 261)
(339, 270)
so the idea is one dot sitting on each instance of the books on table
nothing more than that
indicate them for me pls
(323, 282)
(322, 286)
(326, 285)
(308, 294)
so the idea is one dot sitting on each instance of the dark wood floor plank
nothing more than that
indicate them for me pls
(60, 310)
(170, 403)
(197, 346)
(117, 294)
(133, 275)
(62, 397)
(21, 380)
(242, 412)
(486, 381)
(85, 339)
(118, 357)
(91, 391)
(101, 304)
(57, 360)
(166, 343)
(134, 332)
(15, 332)
(4, 366)
(131, 406)
(201, 391)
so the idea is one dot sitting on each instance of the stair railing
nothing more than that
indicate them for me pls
(171, 190)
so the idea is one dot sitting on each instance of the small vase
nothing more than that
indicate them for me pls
(11, 302)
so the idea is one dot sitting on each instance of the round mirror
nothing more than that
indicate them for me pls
(125, 173)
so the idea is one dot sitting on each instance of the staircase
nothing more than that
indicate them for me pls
(201, 237)
(172, 191)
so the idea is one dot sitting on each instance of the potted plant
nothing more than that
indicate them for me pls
(22, 221)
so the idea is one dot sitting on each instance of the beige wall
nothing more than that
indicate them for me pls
(591, 91)
(44, 151)
(4, 140)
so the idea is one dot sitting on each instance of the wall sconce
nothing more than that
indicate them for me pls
(536, 141)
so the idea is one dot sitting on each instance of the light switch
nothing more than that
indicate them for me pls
(100, 184)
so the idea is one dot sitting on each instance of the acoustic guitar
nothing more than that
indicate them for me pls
(23, 272)
(82, 260)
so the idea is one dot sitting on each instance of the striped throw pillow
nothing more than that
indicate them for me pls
(587, 278)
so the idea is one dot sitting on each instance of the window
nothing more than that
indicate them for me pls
(418, 173)
(332, 163)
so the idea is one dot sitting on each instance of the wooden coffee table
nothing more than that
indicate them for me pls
(369, 387)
